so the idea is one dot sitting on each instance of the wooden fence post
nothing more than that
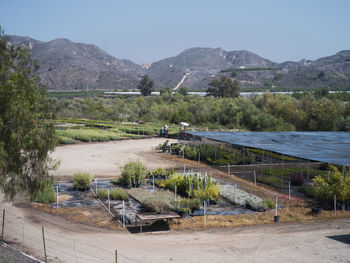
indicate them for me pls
(42, 228)
(3, 224)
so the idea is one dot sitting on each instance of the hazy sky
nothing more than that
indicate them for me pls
(149, 30)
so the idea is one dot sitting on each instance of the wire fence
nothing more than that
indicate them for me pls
(43, 243)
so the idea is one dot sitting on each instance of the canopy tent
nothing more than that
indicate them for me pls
(328, 147)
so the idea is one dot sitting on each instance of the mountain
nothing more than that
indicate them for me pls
(196, 67)
(65, 65)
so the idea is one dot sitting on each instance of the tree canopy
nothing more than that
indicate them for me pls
(146, 85)
(223, 88)
(27, 132)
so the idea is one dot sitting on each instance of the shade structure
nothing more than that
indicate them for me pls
(329, 147)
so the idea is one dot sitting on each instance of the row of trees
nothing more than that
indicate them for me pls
(270, 112)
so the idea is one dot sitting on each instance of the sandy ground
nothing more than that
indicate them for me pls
(72, 242)
(106, 159)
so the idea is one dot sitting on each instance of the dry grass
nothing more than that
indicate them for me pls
(287, 215)
(93, 216)
(96, 216)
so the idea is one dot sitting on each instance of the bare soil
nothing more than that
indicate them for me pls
(105, 160)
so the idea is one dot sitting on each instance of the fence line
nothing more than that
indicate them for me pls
(57, 246)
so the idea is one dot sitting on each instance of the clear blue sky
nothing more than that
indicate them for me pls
(149, 30)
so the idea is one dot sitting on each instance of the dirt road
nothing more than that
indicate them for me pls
(106, 159)
(72, 242)
(266, 243)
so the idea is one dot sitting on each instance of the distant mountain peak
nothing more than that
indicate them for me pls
(65, 64)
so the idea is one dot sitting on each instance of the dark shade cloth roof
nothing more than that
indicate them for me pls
(328, 147)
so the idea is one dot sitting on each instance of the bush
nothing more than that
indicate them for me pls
(82, 181)
(325, 188)
(133, 174)
(192, 185)
(269, 203)
(255, 206)
(66, 140)
(159, 173)
(102, 193)
(296, 179)
(163, 146)
(187, 204)
(47, 195)
(209, 193)
(160, 202)
(115, 194)
(118, 194)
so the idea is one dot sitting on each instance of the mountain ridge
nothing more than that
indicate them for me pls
(67, 65)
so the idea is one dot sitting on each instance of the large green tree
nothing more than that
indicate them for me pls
(27, 132)
(146, 85)
(223, 88)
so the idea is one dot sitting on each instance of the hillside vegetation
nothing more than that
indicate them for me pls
(270, 112)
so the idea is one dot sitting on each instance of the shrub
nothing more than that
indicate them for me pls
(102, 193)
(296, 179)
(209, 193)
(192, 185)
(133, 174)
(118, 194)
(159, 173)
(66, 140)
(82, 181)
(115, 194)
(336, 184)
(269, 203)
(160, 202)
(47, 195)
(255, 206)
(187, 204)
(163, 146)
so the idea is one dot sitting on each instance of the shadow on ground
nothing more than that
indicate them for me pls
(159, 225)
(341, 238)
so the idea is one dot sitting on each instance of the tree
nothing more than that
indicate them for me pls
(223, 88)
(183, 91)
(166, 90)
(146, 85)
(27, 132)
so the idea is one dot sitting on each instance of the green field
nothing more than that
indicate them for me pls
(71, 131)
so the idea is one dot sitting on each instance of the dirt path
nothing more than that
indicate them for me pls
(266, 243)
(106, 159)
